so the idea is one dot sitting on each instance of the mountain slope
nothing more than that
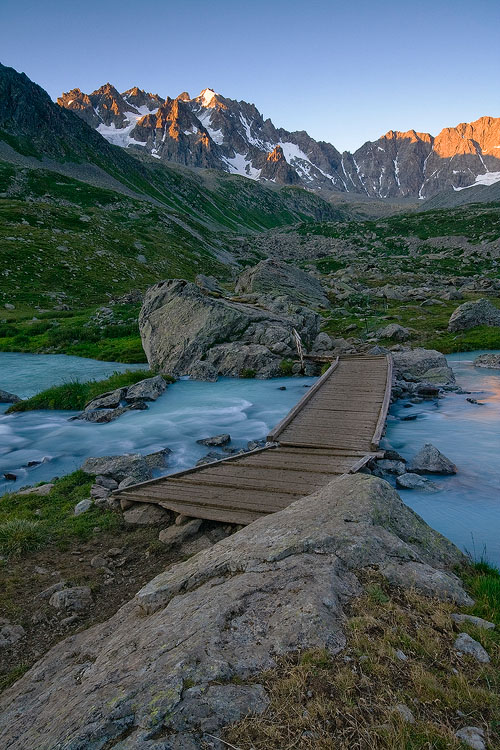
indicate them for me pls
(212, 131)
(61, 237)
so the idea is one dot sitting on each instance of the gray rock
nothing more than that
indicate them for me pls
(47, 593)
(103, 416)
(216, 440)
(223, 616)
(401, 655)
(146, 390)
(473, 737)
(98, 491)
(144, 514)
(43, 490)
(178, 534)
(429, 460)
(424, 365)
(409, 481)
(107, 482)
(75, 599)
(464, 644)
(239, 360)
(127, 482)
(484, 360)
(209, 283)
(203, 371)
(474, 313)
(394, 332)
(275, 278)
(180, 325)
(428, 581)
(109, 400)
(9, 306)
(322, 343)
(388, 466)
(9, 633)
(8, 398)
(477, 621)
(119, 467)
(83, 506)
(157, 460)
(405, 713)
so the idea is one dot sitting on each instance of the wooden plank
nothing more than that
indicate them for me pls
(297, 408)
(224, 515)
(206, 495)
(385, 404)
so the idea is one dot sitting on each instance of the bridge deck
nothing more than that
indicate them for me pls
(334, 429)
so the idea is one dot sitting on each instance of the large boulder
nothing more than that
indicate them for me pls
(181, 660)
(180, 326)
(119, 467)
(148, 389)
(479, 312)
(278, 279)
(423, 365)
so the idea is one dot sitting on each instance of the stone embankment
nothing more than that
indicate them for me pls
(180, 660)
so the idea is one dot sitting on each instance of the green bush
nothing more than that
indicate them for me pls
(248, 373)
(286, 366)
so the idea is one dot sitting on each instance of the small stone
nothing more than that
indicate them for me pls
(177, 534)
(10, 634)
(68, 621)
(464, 644)
(410, 481)
(216, 440)
(98, 562)
(405, 713)
(108, 482)
(429, 460)
(127, 482)
(181, 519)
(473, 737)
(43, 490)
(477, 621)
(98, 491)
(39, 571)
(75, 599)
(47, 593)
(115, 552)
(146, 513)
(401, 655)
(83, 506)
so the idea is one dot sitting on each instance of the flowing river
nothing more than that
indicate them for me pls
(466, 509)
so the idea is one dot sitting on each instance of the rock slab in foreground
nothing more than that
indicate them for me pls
(146, 677)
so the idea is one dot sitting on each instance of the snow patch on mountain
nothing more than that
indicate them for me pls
(488, 178)
(239, 164)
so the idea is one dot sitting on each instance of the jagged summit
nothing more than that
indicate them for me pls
(213, 131)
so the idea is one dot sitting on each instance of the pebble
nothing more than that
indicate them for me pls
(464, 644)
(405, 713)
(477, 621)
(83, 506)
(401, 655)
(473, 737)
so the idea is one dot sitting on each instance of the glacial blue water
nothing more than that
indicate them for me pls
(188, 411)
(466, 509)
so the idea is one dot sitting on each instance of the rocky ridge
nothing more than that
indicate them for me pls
(213, 131)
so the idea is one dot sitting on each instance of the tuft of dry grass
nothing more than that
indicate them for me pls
(320, 701)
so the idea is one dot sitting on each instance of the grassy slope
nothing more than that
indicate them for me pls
(382, 246)
(319, 701)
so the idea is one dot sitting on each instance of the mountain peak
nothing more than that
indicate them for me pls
(206, 97)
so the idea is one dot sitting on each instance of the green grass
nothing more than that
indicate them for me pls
(29, 522)
(20, 535)
(75, 395)
(483, 582)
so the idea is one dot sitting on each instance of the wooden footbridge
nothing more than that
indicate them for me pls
(333, 430)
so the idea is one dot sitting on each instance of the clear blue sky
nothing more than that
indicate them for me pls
(344, 71)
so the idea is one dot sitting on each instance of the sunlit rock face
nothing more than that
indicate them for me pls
(215, 132)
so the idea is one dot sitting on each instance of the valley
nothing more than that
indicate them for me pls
(176, 274)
